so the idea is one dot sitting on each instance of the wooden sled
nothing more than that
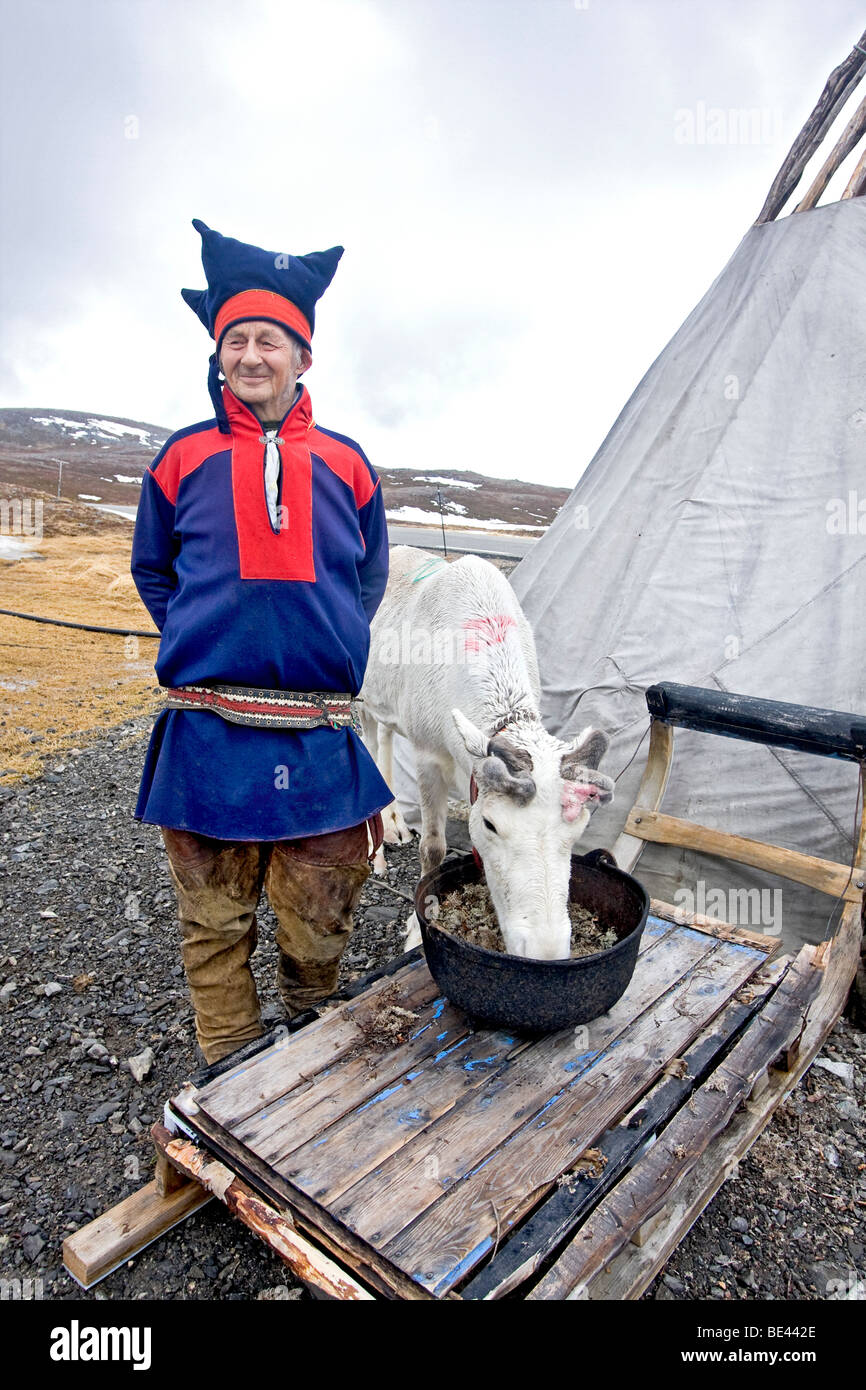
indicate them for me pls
(448, 1162)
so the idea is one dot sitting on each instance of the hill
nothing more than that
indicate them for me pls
(101, 459)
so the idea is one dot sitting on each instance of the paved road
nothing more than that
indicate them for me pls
(428, 537)
(476, 542)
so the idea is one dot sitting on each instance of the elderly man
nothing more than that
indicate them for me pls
(261, 553)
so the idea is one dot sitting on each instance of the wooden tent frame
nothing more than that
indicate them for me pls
(838, 88)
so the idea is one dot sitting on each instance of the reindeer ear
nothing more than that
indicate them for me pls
(587, 750)
(473, 738)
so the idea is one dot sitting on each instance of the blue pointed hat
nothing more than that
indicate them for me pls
(246, 282)
(243, 279)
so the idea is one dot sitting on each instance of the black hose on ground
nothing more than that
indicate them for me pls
(85, 627)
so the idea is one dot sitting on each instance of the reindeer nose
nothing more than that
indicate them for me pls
(588, 791)
(592, 794)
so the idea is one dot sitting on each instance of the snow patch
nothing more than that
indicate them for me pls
(449, 482)
(112, 427)
(89, 497)
(73, 425)
(99, 426)
(11, 548)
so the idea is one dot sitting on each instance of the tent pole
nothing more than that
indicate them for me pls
(839, 86)
(842, 148)
(857, 182)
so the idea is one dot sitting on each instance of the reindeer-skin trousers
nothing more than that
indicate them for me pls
(313, 885)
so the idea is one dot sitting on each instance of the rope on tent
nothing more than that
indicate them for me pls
(635, 753)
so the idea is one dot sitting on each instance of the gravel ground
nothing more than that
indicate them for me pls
(90, 977)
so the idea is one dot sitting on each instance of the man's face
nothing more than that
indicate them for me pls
(261, 363)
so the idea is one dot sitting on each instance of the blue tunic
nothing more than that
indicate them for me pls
(240, 602)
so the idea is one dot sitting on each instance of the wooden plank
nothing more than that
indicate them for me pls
(273, 1227)
(429, 1164)
(99, 1247)
(448, 1239)
(253, 1084)
(823, 874)
(310, 1218)
(630, 1273)
(360, 1076)
(628, 848)
(725, 931)
(521, 1254)
(648, 1229)
(645, 1189)
(326, 1166)
(363, 1144)
(307, 1111)
(166, 1177)
(838, 87)
(842, 148)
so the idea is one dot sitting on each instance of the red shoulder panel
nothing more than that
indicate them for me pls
(185, 455)
(346, 463)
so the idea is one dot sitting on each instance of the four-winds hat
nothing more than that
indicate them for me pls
(245, 282)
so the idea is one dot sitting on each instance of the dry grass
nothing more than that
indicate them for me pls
(60, 687)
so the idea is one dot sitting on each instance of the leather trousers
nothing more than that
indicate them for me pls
(313, 885)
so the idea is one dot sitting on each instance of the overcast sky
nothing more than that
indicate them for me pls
(532, 195)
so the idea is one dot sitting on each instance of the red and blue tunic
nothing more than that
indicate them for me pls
(241, 602)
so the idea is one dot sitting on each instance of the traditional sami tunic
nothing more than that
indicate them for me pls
(241, 602)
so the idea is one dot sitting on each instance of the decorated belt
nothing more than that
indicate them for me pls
(269, 709)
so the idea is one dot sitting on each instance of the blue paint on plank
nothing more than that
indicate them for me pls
(547, 1104)
(383, 1095)
(689, 934)
(453, 1048)
(453, 1276)
(748, 950)
(582, 1059)
(656, 927)
(481, 1062)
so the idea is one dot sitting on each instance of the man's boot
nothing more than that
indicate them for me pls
(313, 885)
(218, 884)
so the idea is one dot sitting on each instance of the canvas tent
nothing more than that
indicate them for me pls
(718, 539)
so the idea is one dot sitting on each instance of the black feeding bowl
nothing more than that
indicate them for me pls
(538, 996)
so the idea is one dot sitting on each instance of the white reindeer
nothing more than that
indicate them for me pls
(453, 669)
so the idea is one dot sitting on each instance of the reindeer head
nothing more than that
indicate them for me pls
(535, 798)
